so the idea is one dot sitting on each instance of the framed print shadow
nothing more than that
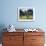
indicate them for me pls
(26, 14)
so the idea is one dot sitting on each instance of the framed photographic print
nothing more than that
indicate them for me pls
(26, 14)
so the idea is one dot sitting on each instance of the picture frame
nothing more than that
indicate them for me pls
(26, 14)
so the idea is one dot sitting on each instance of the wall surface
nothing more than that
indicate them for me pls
(8, 13)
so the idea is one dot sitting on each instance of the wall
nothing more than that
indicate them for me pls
(8, 13)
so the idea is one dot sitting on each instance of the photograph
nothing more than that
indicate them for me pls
(26, 14)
